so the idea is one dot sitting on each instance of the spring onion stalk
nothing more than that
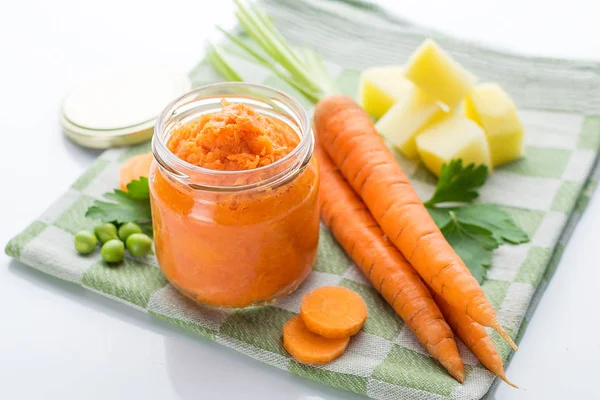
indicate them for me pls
(317, 68)
(260, 28)
(247, 52)
(301, 68)
(216, 57)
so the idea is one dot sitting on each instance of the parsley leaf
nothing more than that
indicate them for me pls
(499, 222)
(473, 244)
(473, 230)
(139, 190)
(130, 206)
(458, 184)
(441, 216)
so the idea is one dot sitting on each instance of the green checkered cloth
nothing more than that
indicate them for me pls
(546, 193)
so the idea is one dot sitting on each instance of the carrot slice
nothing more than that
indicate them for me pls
(333, 311)
(134, 168)
(308, 347)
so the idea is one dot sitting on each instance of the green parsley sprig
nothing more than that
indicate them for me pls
(473, 230)
(458, 184)
(130, 206)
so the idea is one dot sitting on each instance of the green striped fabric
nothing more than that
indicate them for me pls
(546, 192)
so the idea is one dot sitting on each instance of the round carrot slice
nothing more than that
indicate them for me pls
(333, 311)
(308, 347)
(134, 168)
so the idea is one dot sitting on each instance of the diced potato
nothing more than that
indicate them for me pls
(452, 138)
(401, 124)
(437, 73)
(380, 87)
(491, 107)
(440, 117)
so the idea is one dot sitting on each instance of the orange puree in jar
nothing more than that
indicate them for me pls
(242, 246)
(235, 138)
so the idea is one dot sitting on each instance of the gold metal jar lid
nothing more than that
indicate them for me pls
(119, 106)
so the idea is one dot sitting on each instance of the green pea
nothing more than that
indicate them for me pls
(106, 232)
(113, 251)
(128, 229)
(85, 242)
(139, 244)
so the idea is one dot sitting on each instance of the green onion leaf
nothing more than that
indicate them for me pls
(217, 59)
(302, 69)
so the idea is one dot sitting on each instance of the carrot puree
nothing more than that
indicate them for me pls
(236, 138)
(243, 248)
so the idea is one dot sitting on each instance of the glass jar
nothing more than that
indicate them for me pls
(235, 238)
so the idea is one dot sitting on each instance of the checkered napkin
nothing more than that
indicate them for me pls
(546, 193)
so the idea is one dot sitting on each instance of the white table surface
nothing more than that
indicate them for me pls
(58, 341)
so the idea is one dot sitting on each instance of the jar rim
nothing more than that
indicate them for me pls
(163, 155)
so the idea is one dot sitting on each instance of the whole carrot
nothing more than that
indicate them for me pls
(474, 336)
(392, 276)
(349, 137)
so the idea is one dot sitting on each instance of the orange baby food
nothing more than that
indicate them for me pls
(236, 138)
(241, 248)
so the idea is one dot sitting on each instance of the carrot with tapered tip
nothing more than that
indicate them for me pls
(348, 135)
(474, 336)
(385, 267)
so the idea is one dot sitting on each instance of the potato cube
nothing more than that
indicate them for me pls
(491, 107)
(401, 124)
(437, 73)
(452, 138)
(380, 87)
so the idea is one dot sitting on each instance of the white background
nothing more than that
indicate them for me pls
(58, 341)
